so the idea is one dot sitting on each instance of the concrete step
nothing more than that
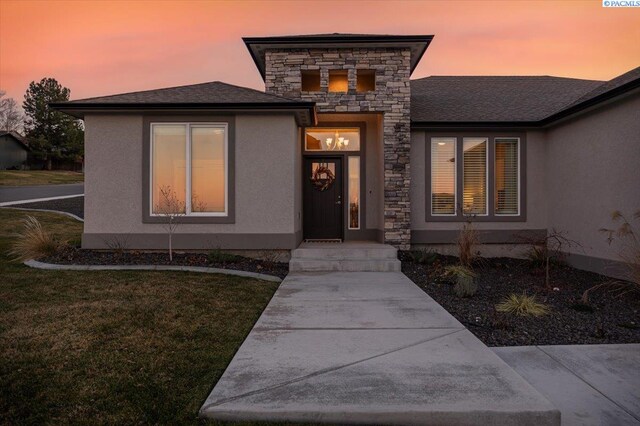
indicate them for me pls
(346, 251)
(344, 265)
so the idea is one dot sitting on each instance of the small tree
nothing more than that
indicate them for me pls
(11, 118)
(551, 248)
(172, 208)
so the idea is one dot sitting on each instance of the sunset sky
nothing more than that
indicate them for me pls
(106, 47)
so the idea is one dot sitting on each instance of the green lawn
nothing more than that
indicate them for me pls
(38, 177)
(114, 347)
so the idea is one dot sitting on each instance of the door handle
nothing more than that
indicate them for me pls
(338, 202)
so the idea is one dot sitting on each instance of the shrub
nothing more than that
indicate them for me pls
(33, 241)
(522, 305)
(423, 256)
(468, 240)
(465, 284)
(218, 256)
(628, 251)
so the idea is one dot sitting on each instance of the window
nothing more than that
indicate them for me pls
(474, 176)
(338, 81)
(507, 177)
(354, 192)
(366, 80)
(328, 139)
(443, 176)
(189, 169)
(310, 80)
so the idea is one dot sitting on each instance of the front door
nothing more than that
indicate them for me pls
(322, 198)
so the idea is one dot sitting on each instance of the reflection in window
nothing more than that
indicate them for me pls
(207, 169)
(506, 175)
(168, 168)
(354, 192)
(338, 81)
(204, 174)
(327, 139)
(474, 166)
(443, 176)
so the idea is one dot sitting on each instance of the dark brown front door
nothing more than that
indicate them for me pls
(322, 198)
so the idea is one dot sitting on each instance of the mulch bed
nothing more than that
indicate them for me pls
(73, 205)
(76, 256)
(609, 318)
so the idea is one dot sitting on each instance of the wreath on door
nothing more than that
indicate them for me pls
(322, 178)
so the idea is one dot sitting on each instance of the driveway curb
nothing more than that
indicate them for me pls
(53, 266)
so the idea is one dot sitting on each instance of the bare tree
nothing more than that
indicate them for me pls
(172, 208)
(551, 248)
(11, 117)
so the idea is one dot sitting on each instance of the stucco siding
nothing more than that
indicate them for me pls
(265, 170)
(12, 153)
(592, 169)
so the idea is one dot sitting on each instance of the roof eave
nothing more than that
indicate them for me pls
(80, 110)
(251, 42)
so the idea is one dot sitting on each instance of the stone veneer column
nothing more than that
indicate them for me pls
(392, 98)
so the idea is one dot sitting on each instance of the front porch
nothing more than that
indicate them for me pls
(349, 256)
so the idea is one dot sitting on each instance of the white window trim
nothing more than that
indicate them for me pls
(188, 126)
(455, 177)
(518, 173)
(486, 176)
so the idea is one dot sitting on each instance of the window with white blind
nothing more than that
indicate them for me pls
(443, 176)
(507, 191)
(474, 176)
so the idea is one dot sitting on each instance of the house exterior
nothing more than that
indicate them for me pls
(13, 150)
(342, 145)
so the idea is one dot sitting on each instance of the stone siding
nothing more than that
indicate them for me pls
(392, 98)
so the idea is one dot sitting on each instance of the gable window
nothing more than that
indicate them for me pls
(475, 175)
(366, 80)
(338, 81)
(189, 169)
(310, 80)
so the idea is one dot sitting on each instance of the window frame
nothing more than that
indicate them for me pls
(455, 177)
(228, 120)
(519, 162)
(491, 137)
(188, 168)
(486, 177)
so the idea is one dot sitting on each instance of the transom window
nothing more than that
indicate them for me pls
(189, 169)
(328, 139)
(474, 176)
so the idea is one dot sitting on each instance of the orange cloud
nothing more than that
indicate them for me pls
(98, 48)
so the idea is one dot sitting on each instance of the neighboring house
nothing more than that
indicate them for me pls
(343, 146)
(13, 150)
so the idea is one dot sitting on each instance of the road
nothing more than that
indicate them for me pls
(36, 192)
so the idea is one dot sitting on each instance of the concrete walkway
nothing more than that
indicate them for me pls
(11, 194)
(590, 384)
(369, 347)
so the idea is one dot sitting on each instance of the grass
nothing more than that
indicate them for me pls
(38, 177)
(522, 305)
(117, 347)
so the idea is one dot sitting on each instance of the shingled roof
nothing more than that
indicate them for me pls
(493, 99)
(527, 100)
(215, 92)
(214, 95)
